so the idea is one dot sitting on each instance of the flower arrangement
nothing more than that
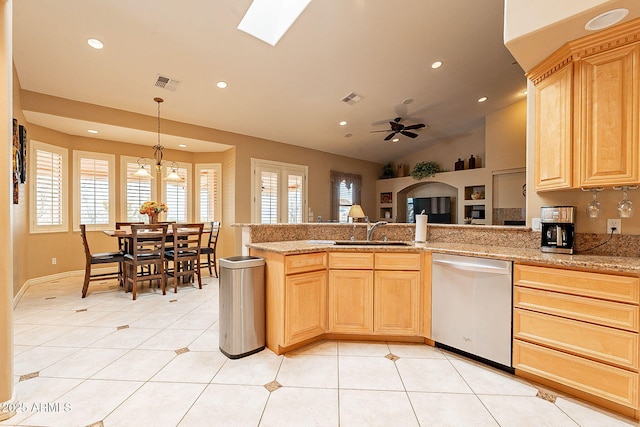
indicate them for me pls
(153, 207)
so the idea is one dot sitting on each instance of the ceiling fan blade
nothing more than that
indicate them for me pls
(409, 134)
(418, 126)
(391, 135)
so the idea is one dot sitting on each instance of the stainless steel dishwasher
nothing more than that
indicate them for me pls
(472, 302)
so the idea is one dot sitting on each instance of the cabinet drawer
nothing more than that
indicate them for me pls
(305, 262)
(608, 382)
(596, 342)
(597, 285)
(606, 313)
(397, 261)
(351, 260)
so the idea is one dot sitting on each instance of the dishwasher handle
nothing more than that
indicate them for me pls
(468, 266)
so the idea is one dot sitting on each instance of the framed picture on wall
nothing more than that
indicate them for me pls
(16, 163)
(22, 135)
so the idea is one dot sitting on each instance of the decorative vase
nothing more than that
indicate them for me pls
(153, 218)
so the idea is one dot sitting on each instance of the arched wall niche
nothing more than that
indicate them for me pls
(427, 189)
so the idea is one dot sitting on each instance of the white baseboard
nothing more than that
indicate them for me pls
(47, 279)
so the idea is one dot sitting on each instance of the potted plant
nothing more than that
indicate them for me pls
(425, 170)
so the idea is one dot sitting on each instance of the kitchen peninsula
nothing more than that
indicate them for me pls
(575, 322)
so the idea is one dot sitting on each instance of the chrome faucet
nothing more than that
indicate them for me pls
(372, 227)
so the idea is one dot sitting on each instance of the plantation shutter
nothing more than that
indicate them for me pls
(48, 189)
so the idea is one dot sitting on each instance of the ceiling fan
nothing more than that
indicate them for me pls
(397, 127)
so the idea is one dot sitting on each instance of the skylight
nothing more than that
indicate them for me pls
(268, 20)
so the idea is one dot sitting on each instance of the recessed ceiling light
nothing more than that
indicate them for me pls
(407, 101)
(222, 85)
(95, 43)
(436, 65)
(606, 19)
(348, 135)
(483, 99)
(343, 123)
(92, 131)
(395, 140)
(182, 145)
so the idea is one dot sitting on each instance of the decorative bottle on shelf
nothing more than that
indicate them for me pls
(472, 162)
(459, 164)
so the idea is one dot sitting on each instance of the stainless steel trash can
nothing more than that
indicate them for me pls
(242, 306)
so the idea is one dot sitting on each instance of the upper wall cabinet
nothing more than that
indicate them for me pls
(609, 117)
(553, 155)
(587, 109)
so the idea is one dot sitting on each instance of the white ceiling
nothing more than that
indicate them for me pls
(291, 93)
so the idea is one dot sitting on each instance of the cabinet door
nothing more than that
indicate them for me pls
(305, 306)
(553, 131)
(351, 301)
(396, 302)
(609, 102)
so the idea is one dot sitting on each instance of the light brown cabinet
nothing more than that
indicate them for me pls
(396, 302)
(609, 117)
(305, 306)
(554, 137)
(587, 108)
(351, 301)
(296, 298)
(374, 293)
(579, 330)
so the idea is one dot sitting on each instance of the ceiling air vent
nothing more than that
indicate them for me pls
(166, 83)
(352, 98)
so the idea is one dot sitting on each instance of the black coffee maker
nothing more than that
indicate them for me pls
(558, 229)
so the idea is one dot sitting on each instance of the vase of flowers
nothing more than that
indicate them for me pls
(152, 209)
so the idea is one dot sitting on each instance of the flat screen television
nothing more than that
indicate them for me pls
(438, 209)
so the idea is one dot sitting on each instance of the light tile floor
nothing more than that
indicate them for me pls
(108, 360)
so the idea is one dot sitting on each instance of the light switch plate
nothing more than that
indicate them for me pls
(535, 224)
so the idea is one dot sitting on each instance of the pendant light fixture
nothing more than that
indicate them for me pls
(143, 162)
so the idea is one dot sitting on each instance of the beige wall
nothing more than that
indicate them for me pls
(38, 249)
(446, 151)
(505, 136)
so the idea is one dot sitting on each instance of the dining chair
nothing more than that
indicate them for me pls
(98, 258)
(210, 249)
(147, 250)
(123, 241)
(185, 253)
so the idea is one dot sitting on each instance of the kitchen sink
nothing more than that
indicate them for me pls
(371, 243)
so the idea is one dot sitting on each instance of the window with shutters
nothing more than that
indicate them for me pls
(135, 191)
(208, 185)
(48, 168)
(279, 192)
(345, 195)
(93, 190)
(176, 194)
(345, 192)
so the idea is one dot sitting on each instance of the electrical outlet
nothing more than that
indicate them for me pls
(54, 261)
(536, 225)
(617, 223)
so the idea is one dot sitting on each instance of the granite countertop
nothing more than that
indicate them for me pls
(626, 265)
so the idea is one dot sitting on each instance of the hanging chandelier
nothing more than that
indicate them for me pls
(157, 161)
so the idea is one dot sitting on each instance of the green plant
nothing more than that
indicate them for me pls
(388, 172)
(425, 170)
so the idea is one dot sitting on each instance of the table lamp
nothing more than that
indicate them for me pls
(355, 213)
